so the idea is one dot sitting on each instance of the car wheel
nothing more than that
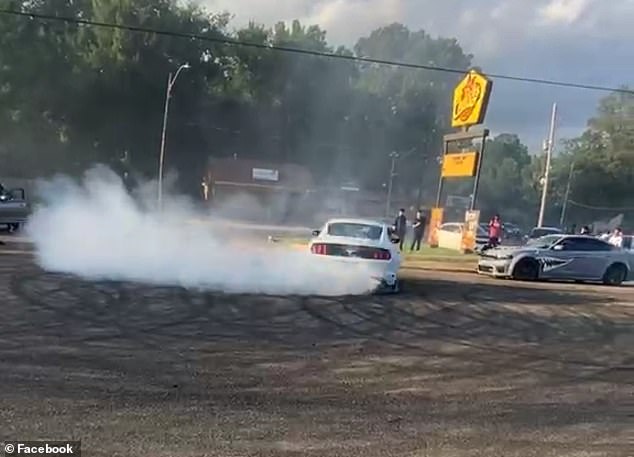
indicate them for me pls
(526, 270)
(615, 275)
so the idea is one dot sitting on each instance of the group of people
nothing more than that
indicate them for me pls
(615, 237)
(496, 228)
(400, 229)
(420, 222)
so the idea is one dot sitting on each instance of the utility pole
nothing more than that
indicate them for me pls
(394, 156)
(566, 196)
(549, 152)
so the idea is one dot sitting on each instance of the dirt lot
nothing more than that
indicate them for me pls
(455, 366)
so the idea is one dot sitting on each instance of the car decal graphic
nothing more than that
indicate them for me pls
(552, 263)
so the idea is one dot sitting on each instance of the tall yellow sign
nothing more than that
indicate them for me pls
(470, 100)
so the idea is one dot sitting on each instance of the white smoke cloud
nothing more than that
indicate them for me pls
(96, 230)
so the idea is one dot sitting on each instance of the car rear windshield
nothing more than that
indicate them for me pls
(353, 230)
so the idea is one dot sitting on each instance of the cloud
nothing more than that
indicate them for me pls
(565, 12)
(576, 40)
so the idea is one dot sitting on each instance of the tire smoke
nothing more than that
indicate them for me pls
(97, 230)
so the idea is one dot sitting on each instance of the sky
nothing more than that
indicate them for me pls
(584, 41)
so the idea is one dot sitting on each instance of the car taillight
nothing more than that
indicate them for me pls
(319, 248)
(382, 254)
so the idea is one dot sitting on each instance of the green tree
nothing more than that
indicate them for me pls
(603, 158)
(506, 180)
(406, 109)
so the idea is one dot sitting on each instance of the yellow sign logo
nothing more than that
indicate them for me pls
(470, 100)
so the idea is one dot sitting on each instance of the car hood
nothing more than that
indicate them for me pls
(503, 252)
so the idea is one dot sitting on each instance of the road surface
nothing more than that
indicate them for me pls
(457, 365)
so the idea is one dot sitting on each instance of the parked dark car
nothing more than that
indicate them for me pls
(538, 232)
(511, 230)
(14, 208)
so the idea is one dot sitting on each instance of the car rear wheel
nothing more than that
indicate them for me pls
(615, 275)
(526, 270)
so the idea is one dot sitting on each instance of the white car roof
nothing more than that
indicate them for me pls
(350, 220)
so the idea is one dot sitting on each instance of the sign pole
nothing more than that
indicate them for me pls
(441, 179)
(480, 159)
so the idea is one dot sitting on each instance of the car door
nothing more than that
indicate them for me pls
(599, 255)
(450, 235)
(555, 260)
(582, 258)
(12, 209)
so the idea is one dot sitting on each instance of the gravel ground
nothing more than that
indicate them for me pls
(456, 365)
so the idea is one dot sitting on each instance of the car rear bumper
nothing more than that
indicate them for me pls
(386, 279)
(383, 271)
(5, 220)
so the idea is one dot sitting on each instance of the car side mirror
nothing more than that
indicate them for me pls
(558, 247)
(395, 240)
(316, 232)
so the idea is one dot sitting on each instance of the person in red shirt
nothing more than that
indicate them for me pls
(495, 231)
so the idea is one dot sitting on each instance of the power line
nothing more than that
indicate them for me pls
(601, 208)
(232, 42)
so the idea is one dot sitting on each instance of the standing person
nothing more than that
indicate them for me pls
(205, 187)
(400, 227)
(495, 231)
(419, 230)
(617, 238)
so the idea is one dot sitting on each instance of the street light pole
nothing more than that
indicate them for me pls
(549, 153)
(168, 94)
(393, 156)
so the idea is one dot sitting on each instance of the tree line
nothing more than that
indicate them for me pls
(73, 95)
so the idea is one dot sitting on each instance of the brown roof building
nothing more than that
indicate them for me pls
(260, 191)
(251, 174)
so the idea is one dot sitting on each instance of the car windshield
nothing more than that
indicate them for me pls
(355, 230)
(544, 241)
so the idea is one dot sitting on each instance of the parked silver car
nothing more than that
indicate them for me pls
(559, 257)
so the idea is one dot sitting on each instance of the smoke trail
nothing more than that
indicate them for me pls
(96, 230)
